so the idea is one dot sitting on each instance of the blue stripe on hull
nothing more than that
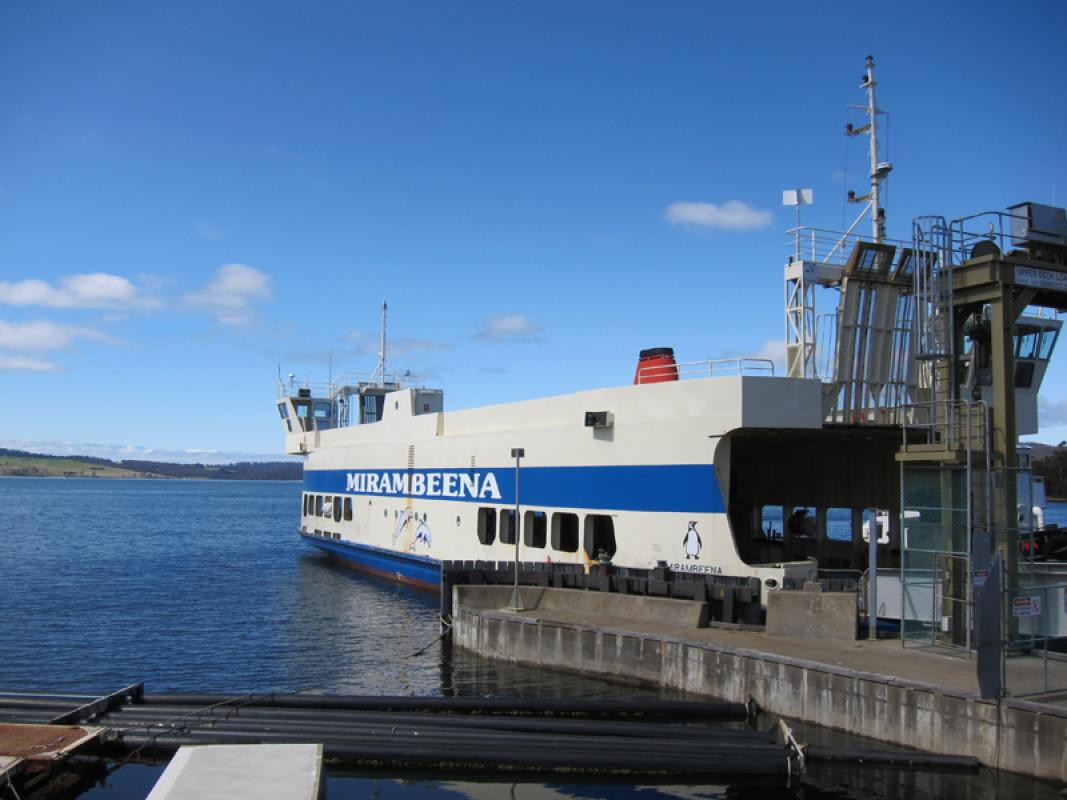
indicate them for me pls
(404, 567)
(689, 488)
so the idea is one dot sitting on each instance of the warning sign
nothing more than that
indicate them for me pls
(1029, 606)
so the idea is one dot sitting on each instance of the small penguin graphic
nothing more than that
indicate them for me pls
(422, 532)
(691, 542)
(402, 519)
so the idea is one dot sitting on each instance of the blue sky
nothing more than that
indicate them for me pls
(194, 194)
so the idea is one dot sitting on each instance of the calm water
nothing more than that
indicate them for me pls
(204, 586)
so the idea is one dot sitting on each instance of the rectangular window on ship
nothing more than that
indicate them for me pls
(535, 529)
(486, 525)
(348, 509)
(507, 526)
(599, 536)
(565, 532)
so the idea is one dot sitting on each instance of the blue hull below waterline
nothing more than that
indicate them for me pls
(408, 568)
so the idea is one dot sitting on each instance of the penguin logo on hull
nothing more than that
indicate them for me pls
(692, 543)
(402, 520)
(422, 532)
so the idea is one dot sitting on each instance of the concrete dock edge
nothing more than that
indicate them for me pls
(1020, 736)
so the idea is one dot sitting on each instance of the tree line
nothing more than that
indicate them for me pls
(241, 470)
(1053, 468)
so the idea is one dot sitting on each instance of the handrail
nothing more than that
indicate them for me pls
(327, 390)
(828, 246)
(715, 368)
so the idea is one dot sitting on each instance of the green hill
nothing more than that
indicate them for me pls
(21, 463)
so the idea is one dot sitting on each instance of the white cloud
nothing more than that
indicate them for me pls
(733, 215)
(205, 230)
(230, 294)
(774, 350)
(1051, 414)
(42, 335)
(24, 364)
(367, 344)
(509, 328)
(95, 290)
(405, 346)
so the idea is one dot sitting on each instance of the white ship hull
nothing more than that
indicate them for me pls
(399, 495)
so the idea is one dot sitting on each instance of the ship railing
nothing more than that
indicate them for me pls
(998, 227)
(716, 368)
(946, 425)
(826, 246)
(347, 383)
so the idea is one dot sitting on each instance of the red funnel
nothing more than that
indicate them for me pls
(656, 366)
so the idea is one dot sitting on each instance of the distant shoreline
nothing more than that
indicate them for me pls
(20, 464)
(4, 474)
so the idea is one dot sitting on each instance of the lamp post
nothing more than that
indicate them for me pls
(872, 574)
(517, 453)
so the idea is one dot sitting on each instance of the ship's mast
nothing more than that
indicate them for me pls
(879, 171)
(381, 350)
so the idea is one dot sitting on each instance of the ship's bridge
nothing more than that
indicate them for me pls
(353, 400)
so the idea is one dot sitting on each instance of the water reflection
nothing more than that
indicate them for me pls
(352, 633)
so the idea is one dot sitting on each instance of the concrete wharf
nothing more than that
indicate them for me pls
(916, 697)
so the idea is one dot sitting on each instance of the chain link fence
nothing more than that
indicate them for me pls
(935, 561)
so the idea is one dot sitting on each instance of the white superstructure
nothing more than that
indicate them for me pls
(636, 474)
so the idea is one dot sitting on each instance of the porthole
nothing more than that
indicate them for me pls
(385, 513)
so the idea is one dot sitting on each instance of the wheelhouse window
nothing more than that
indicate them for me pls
(535, 529)
(486, 525)
(318, 505)
(565, 532)
(337, 509)
(348, 509)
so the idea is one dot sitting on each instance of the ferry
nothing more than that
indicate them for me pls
(635, 474)
(713, 467)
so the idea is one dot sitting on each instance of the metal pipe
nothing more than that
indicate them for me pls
(477, 741)
(719, 761)
(564, 706)
(340, 719)
(676, 736)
